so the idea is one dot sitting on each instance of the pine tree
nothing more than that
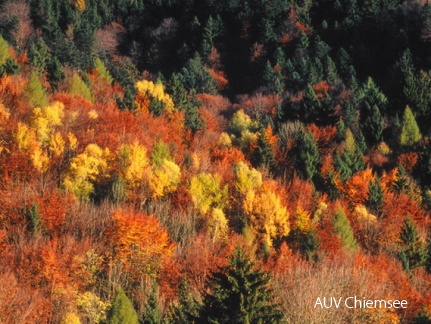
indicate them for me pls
(239, 293)
(372, 104)
(375, 193)
(186, 309)
(265, 154)
(39, 54)
(55, 72)
(413, 251)
(122, 311)
(351, 160)
(410, 133)
(153, 313)
(308, 157)
(195, 76)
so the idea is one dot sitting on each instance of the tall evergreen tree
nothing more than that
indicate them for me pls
(375, 196)
(344, 230)
(413, 250)
(239, 293)
(122, 311)
(35, 92)
(372, 103)
(410, 133)
(153, 314)
(186, 310)
(308, 157)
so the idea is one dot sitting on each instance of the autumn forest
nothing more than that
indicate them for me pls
(201, 161)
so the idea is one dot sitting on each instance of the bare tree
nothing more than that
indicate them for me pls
(18, 12)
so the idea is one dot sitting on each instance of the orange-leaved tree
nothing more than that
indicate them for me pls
(138, 242)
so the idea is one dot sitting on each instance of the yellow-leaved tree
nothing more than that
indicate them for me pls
(266, 215)
(134, 164)
(209, 198)
(85, 169)
(206, 192)
(247, 179)
(164, 179)
(45, 119)
(156, 91)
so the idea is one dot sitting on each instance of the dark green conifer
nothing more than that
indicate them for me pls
(308, 157)
(413, 250)
(153, 314)
(375, 196)
(186, 309)
(372, 103)
(239, 293)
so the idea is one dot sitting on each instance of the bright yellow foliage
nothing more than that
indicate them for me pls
(25, 136)
(302, 219)
(92, 306)
(86, 168)
(218, 225)
(45, 119)
(134, 164)
(57, 144)
(247, 179)
(73, 141)
(225, 140)
(241, 121)
(80, 5)
(40, 159)
(267, 216)
(157, 91)
(70, 318)
(206, 192)
(164, 179)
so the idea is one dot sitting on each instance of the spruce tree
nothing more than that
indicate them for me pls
(375, 199)
(308, 157)
(372, 103)
(413, 250)
(186, 309)
(265, 154)
(195, 76)
(55, 72)
(153, 314)
(239, 293)
(122, 311)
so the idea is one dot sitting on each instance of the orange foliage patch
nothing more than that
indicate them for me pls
(284, 39)
(53, 207)
(139, 242)
(321, 88)
(408, 160)
(356, 188)
(324, 136)
(219, 78)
